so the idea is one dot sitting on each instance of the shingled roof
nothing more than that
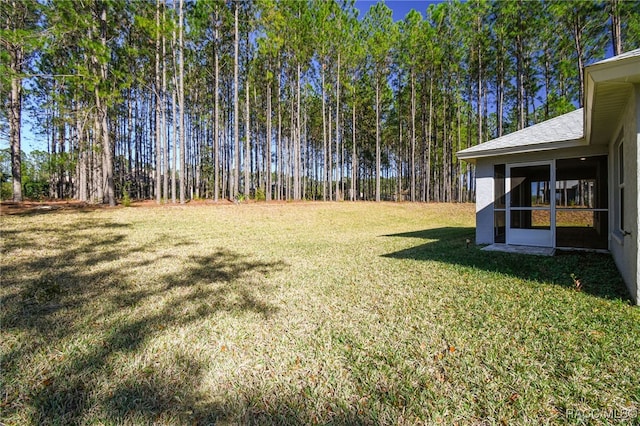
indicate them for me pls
(564, 130)
(625, 55)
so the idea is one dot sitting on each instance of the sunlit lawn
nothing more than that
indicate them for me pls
(304, 313)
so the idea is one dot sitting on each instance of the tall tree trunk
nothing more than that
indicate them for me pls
(296, 133)
(413, 136)
(181, 102)
(247, 142)
(158, 129)
(500, 88)
(235, 164)
(616, 26)
(325, 171)
(82, 154)
(267, 166)
(165, 136)
(15, 118)
(354, 158)
(577, 38)
(216, 116)
(479, 98)
(378, 159)
(279, 168)
(429, 137)
(338, 171)
(174, 157)
(102, 110)
(16, 58)
(330, 155)
(520, 82)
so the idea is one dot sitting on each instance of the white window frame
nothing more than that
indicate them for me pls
(617, 185)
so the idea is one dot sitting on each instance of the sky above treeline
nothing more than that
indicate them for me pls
(400, 8)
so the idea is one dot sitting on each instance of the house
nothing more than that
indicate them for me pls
(572, 181)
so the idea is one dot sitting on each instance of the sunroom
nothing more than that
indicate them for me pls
(571, 182)
(542, 187)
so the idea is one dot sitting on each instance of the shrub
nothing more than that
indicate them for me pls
(6, 191)
(126, 198)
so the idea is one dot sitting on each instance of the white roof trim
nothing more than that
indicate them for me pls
(625, 55)
(523, 149)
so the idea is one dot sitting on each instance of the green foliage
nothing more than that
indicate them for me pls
(458, 55)
(260, 195)
(126, 197)
(6, 191)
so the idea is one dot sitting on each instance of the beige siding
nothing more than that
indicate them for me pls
(624, 247)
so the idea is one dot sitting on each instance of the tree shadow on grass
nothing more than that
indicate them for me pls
(596, 271)
(87, 294)
(130, 404)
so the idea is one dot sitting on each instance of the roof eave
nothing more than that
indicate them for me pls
(624, 70)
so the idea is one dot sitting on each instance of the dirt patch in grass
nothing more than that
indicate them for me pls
(35, 207)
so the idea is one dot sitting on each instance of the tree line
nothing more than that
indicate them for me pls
(288, 99)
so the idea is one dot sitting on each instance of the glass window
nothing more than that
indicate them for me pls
(581, 202)
(499, 226)
(499, 184)
(531, 219)
(619, 201)
(530, 186)
(581, 183)
(499, 204)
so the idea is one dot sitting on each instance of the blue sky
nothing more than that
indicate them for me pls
(400, 8)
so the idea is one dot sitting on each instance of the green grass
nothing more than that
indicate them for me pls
(332, 313)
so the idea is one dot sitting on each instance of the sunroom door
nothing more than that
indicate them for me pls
(530, 219)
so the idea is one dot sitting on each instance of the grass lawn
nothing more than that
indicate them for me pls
(334, 313)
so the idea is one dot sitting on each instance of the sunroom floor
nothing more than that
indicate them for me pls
(507, 248)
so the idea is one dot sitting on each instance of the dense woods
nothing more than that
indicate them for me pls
(284, 100)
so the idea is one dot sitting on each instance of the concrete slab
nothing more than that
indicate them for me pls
(536, 251)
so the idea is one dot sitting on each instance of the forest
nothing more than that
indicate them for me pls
(283, 100)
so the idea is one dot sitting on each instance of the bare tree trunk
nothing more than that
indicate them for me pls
(291, 150)
(577, 38)
(247, 143)
(330, 155)
(378, 159)
(616, 26)
(16, 58)
(181, 103)
(338, 132)
(268, 145)
(82, 156)
(107, 150)
(216, 116)
(297, 141)
(174, 166)
(158, 129)
(429, 137)
(354, 158)
(165, 136)
(279, 167)
(235, 164)
(325, 171)
(15, 114)
(413, 136)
